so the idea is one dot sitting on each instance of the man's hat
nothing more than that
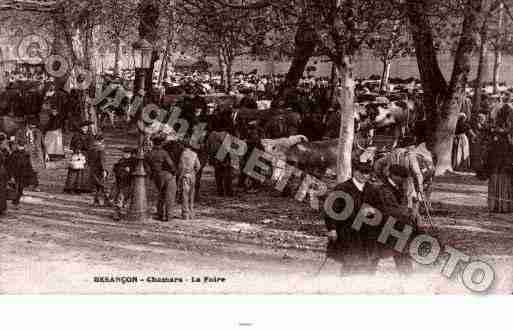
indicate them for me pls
(400, 171)
(382, 99)
(361, 166)
(158, 139)
(86, 123)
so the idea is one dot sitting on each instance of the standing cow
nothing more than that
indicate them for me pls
(419, 162)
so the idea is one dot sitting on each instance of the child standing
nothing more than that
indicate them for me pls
(122, 191)
(188, 167)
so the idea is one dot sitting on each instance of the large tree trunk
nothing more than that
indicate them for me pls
(305, 44)
(222, 69)
(226, 64)
(345, 97)
(228, 75)
(496, 70)
(498, 53)
(443, 102)
(167, 52)
(117, 56)
(61, 47)
(446, 125)
(89, 64)
(148, 29)
(385, 76)
(333, 86)
(433, 81)
(481, 72)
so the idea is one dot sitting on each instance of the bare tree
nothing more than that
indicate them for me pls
(120, 17)
(390, 42)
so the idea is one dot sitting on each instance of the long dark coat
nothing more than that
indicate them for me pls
(3, 184)
(97, 165)
(19, 167)
(352, 247)
(390, 202)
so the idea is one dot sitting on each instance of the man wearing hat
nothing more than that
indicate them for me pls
(20, 169)
(390, 199)
(123, 170)
(98, 170)
(163, 173)
(348, 246)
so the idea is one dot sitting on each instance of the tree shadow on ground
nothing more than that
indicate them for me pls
(460, 178)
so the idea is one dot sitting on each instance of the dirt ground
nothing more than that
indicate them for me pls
(255, 243)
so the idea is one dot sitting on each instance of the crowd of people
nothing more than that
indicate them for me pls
(483, 142)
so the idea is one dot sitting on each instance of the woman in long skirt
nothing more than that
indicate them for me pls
(53, 136)
(461, 145)
(478, 143)
(77, 181)
(500, 164)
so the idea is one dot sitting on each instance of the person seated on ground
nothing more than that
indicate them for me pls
(122, 190)
(345, 245)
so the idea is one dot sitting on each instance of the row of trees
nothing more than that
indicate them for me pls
(339, 30)
(342, 29)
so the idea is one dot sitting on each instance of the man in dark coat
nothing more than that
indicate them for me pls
(163, 174)
(20, 169)
(98, 171)
(222, 168)
(253, 142)
(4, 178)
(13, 96)
(348, 246)
(391, 200)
